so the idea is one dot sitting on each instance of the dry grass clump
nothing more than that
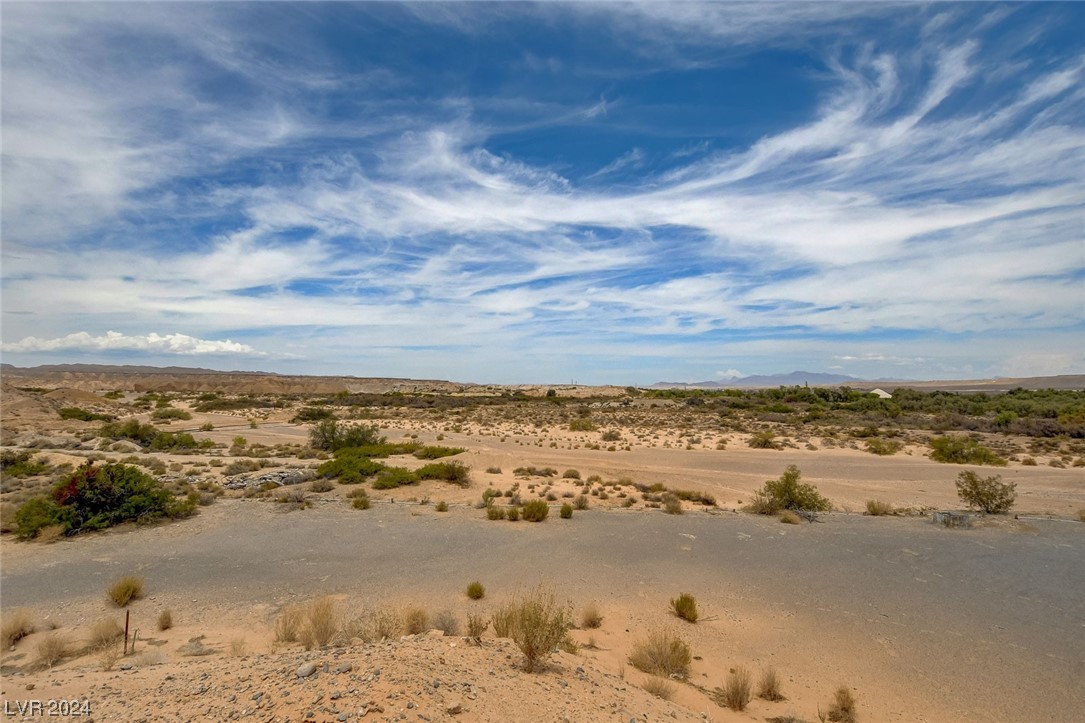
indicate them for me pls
(125, 590)
(415, 620)
(1081, 515)
(768, 688)
(322, 622)
(685, 607)
(843, 708)
(476, 625)
(476, 591)
(535, 622)
(659, 687)
(590, 617)
(165, 620)
(383, 624)
(104, 633)
(446, 622)
(735, 693)
(16, 626)
(288, 624)
(877, 508)
(662, 652)
(671, 504)
(51, 649)
(788, 517)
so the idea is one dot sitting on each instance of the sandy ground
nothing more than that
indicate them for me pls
(923, 623)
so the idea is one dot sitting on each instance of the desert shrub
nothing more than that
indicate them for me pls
(671, 504)
(21, 464)
(883, 447)
(536, 510)
(963, 450)
(93, 498)
(610, 435)
(581, 502)
(693, 496)
(989, 494)
(493, 470)
(494, 512)
(125, 590)
(788, 517)
(590, 617)
(536, 623)
(476, 625)
(170, 413)
(16, 626)
(763, 440)
(659, 687)
(446, 622)
(788, 493)
(512, 514)
(241, 466)
(581, 424)
(566, 511)
(475, 590)
(165, 620)
(438, 452)
(312, 414)
(105, 632)
(415, 620)
(843, 708)
(361, 502)
(289, 624)
(441, 506)
(330, 435)
(83, 415)
(768, 688)
(570, 474)
(534, 472)
(736, 691)
(877, 508)
(207, 427)
(455, 472)
(321, 622)
(685, 607)
(349, 468)
(662, 653)
(393, 477)
(52, 649)
(321, 485)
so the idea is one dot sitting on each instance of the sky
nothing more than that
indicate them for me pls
(505, 192)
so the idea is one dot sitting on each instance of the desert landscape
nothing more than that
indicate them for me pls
(355, 549)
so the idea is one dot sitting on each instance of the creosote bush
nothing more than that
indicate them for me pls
(125, 590)
(536, 623)
(476, 591)
(788, 493)
(685, 607)
(989, 494)
(963, 450)
(662, 653)
(536, 510)
(566, 511)
(843, 708)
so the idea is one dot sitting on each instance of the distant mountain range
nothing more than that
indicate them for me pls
(814, 379)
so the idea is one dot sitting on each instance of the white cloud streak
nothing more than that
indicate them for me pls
(179, 344)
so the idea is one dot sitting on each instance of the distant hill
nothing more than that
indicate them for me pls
(765, 380)
(115, 369)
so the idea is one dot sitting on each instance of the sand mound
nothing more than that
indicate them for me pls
(75, 396)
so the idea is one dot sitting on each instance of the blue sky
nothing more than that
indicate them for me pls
(514, 192)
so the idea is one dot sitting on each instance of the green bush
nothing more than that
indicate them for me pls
(513, 514)
(566, 511)
(536, 510)
(170, 413)
(883, 447)
(455, 472)
(989, 494)
(393, 477)
(763, 440)
(93, 498)
(329, 434)
(963, 450)
(349, 468)
(582, 424)
(685, 607)
(83, 415)
(536, 623)
(493, 512)
(21, 464)
(436, 452)
(788, 493)
(312, 414)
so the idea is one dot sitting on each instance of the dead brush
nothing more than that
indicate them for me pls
(736, 691)
(659, 687)
(415, 620)
(662, 652)
(768, 688)
(52, 649)
(125, 590)
(476, 625)
(843, 708)
(16, 626)
(105, 633)
(590, 617)
(288, 624)
(537, 623)
(322, 621)
(685, 607)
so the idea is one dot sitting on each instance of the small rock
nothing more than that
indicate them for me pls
(306, 670)
(343, 668)
(454, 709)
